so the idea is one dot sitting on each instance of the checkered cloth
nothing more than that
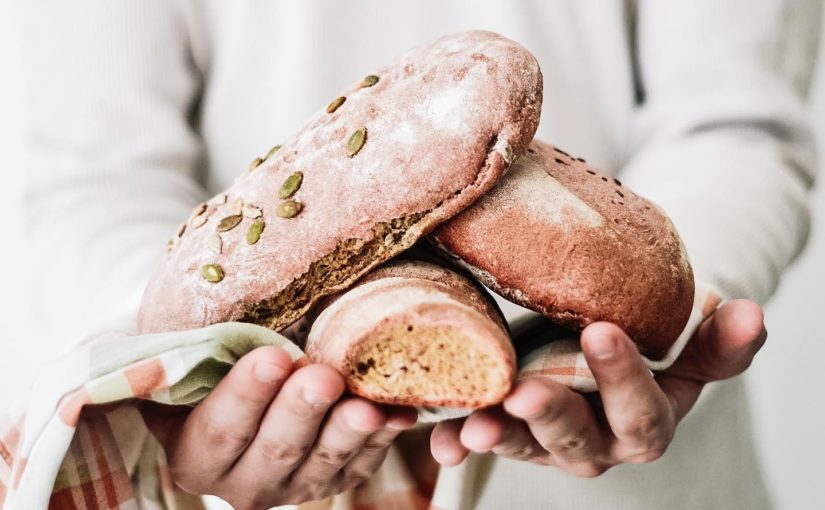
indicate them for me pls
(57, 455)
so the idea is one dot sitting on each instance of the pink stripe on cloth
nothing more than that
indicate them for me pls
(6, 454)
(146, 376)
(94, 459)
(9, 443)
(87, 490)
(70, 406)
(20, 465)
(63, 500)
(111, 479)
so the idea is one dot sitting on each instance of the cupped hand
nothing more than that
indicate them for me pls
(268, 435)
(544, 422)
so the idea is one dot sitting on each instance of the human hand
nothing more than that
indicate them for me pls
(546, 423)
(268, 436)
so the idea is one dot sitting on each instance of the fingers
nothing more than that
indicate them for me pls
(350, 423)
(369, 458)
(292, 422)
(682, 393)
(484, 429)
(445, 443)
(559, 419)
(637, 410)
(496, 431)
(221, 427)
(725, 344)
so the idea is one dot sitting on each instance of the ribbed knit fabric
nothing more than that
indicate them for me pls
(141, 108)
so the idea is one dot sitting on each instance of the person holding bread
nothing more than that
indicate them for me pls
(143, 112)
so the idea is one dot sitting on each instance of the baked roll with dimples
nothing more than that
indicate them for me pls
(565, 240)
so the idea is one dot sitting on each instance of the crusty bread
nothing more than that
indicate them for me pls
(565, 240)
(415, 333)
(379, 167)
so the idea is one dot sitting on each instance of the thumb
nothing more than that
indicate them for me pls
(725, 343)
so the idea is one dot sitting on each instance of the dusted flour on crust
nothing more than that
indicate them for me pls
(415, 333)
(411, 145)
(561, 238)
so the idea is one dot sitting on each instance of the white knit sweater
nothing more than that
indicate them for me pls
(142, 108)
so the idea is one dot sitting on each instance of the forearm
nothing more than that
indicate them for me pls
(740, 207)
(720, 139)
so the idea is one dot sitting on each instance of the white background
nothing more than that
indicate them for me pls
(786, 379)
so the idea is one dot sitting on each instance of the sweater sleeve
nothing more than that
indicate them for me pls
(112, 92)
(720, 137)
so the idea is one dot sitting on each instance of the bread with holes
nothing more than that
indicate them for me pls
(415, 333)
(561, 238)
(395, 154)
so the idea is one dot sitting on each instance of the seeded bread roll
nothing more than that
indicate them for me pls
(573, 244)
(415, 333)
(361, 181)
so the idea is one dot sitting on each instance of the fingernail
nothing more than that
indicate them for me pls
(268, 373)
(602, 346)
(314, 398)
(396, 423)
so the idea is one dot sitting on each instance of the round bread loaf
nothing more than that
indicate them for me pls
(397, 153)
(415, 333)
(573, 244)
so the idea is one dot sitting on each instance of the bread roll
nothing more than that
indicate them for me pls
(418, 334)
(565, 240)
(397, 153)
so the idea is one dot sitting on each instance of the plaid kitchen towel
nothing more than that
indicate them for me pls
(55, 455)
